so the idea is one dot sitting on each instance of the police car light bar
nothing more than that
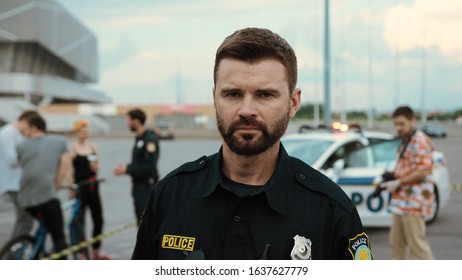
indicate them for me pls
(343, 127)
(335, 126)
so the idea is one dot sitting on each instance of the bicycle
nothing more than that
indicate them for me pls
(28, 247)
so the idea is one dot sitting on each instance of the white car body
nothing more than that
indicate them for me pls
(359, 182)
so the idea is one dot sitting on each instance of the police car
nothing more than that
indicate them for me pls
(355, 160)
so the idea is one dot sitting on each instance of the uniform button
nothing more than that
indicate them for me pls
(201, 162)
(237, 219)
(302, 177)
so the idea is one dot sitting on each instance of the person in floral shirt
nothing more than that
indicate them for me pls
(412, 190)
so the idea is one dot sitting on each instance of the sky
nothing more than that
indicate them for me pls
(384, 53)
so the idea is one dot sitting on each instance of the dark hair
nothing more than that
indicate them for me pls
(27, 115)
(38, 122)
(405, 111)
(252, 45)
(137, 114)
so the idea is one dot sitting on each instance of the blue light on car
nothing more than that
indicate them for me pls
(356, 181)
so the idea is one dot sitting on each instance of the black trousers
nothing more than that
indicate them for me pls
(89, 197)
(140, 195)
(51, 215)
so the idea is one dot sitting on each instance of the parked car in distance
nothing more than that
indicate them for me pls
(435, 129)
(164, 130)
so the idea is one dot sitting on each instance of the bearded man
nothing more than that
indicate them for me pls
(251, 200)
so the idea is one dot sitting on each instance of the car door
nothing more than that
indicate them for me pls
(360, 174)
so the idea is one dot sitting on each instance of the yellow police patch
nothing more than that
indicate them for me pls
(360, 248)
(151, 147)
(177, 242)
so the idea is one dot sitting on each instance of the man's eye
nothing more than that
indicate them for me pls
(232, 94)
(265, 94)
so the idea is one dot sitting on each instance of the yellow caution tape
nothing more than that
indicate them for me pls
(84, 244)
(456, 187)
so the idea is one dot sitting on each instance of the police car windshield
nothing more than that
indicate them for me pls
(308, 150)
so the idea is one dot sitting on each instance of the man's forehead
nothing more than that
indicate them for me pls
(265, 71)
(401, 119)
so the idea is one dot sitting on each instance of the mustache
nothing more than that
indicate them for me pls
(247, 122)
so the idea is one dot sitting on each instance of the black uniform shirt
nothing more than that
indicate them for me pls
(190, 211)
(143, 168)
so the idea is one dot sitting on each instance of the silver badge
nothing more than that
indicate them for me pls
(140, 144)
(302, 248)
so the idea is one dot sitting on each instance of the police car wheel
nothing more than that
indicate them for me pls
(436, 208)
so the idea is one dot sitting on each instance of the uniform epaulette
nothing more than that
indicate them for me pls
(306, 175)
(150, 134)
(190, 166)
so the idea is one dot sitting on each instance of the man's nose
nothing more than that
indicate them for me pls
(248, 107)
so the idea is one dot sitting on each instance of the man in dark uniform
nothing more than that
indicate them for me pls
(251, 200)
(143, 167)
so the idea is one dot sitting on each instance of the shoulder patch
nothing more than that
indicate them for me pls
(360, 247)
(151, 147)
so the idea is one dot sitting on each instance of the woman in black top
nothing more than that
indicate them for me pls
(86, 165)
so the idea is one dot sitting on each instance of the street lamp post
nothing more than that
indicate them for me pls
(327, 113)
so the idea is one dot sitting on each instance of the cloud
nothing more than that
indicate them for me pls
(158, 76)
(425, 24)
(113, 56)
(136, 20)
(145, 67)
(146, 46)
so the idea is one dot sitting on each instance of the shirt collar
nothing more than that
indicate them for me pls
(141, 136)
(214, 175)
(276, 187)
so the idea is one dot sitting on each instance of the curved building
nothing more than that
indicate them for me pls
(46, 55)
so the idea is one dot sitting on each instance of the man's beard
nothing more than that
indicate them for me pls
(246, 144)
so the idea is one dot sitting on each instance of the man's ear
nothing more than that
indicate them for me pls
(295, 101)
(213, 96)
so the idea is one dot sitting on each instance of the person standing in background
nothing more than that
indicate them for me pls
(84, 156)
(143, 167)
(412, 192)
(10, 171)
(45, 163)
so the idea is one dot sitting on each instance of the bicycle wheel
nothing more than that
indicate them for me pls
(20, 248)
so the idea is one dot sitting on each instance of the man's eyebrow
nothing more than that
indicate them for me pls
(262, 90)
(229, 89)
(268, 90)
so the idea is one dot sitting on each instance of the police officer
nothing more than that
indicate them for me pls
(251, 200)
(143, 167)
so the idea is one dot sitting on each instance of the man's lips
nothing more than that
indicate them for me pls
(247, 129)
